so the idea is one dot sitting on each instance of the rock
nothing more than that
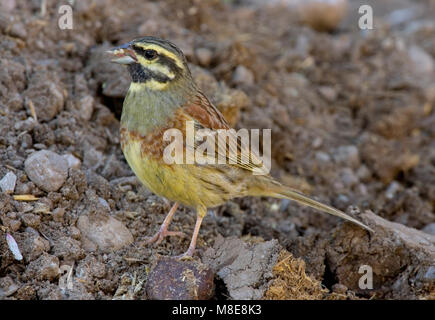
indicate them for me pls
(47, 170)
(339, 288)
(321, 15)
(204, 56)
(7, 287)
(33, 246)
(73, 162)
(16, 102)
(323, 157)
(244, 267)
(329, 93)
(174, 279)
(31, 220)
(93, 159)
(85, 107)
(18, 29)
(348, 155)
(74, 233)
(46, 267)
(12, 224)
(66, 248)
(422, 61)
(348, 177)
(392, 189)
(7, 183)
(404, 15)
(430, 229)
(398, 256)
(103, 231)
(46, 93)
(58, 214)
(25, 125)
(243, 76)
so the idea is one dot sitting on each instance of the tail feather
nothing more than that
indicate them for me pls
(280, 191)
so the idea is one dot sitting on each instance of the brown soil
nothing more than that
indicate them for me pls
(352, 122)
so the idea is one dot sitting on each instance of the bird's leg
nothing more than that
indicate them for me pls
(201, 212)
(163, 232)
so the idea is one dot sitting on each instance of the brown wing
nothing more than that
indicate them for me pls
(206, 116)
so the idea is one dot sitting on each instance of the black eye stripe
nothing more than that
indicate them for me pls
(148, 54)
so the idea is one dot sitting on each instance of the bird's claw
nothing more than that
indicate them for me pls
(161, 234)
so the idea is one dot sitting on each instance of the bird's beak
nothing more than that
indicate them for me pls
(123, 54)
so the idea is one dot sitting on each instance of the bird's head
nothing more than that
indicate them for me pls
(154, 63)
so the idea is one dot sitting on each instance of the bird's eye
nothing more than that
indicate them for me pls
(150, 54)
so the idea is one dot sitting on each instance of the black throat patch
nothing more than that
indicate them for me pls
(140, 74)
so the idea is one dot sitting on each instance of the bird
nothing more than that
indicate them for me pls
(163, 95)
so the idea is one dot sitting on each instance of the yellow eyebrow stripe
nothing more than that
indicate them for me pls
(163, 51)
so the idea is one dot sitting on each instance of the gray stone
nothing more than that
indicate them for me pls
(7, 183)
(73, 162)
(322, 156)
(204, 56)
(85, 107)
(423, 62)
(347, 155)
(244, 267)
(7, 287)
(430, 229)
(47, 170)
(103, 231)
(243, 75)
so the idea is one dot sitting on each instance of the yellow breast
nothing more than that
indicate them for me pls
(184, 183)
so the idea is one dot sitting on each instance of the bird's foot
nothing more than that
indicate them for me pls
(161, 234)
(188, 255)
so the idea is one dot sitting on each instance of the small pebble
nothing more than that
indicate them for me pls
(243, 76)
(392, 190)
(329, 93)
(7, 287)
(322, 156)
(104, 231)
(13, 246)
(430, 229)
(46, 267)
(204, 56)
(47, 170)
(31, 220)
(25, 125)
(322, 15)
(348, 155)
(317, 143)
(339, 288)
(73, 162)
(58, 214)
(85, 106)
(7, 183)
(422, 61)
(348, 177)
